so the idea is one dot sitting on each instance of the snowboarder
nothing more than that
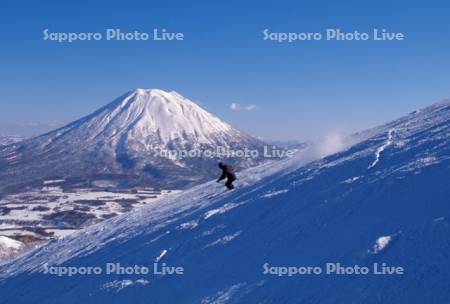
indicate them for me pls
(228, 173)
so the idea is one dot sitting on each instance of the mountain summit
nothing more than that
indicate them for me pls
(155, 117)
(129, 141)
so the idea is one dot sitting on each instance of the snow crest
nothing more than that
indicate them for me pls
(382, 148)
(9, 247)
(381, 243)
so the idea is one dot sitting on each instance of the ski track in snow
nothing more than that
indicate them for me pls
(188, 225)
(224, 240)
(351, 180)
(163, 253)
(382, 148)
(274, 193)
(223, 209)
(211, 231)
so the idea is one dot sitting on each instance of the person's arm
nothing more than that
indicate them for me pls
(222, 176)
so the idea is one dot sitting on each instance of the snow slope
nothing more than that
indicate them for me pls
(338, 209)
(8, 140)
(130, 140)
(9, 247)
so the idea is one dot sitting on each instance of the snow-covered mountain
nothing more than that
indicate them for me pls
(133, 140)
(383, 200)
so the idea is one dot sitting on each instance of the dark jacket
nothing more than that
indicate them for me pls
(227, 172)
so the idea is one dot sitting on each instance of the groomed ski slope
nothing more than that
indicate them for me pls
(332, 210)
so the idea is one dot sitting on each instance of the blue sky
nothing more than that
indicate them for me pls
(302, 90)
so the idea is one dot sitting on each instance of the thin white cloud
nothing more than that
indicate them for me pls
(235, 106)
(238, 107)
